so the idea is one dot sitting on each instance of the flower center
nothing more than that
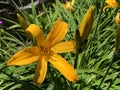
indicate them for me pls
(46, 51)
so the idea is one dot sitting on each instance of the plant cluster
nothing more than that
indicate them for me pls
(61, 45)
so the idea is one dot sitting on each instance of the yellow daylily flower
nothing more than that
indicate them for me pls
(46, 50)
(84, 30)
(111, 4)
(68, 5)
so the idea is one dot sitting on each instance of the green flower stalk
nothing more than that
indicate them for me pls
(116, 52)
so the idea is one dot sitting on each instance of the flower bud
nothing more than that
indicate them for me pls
(22, 21)
(83, 32)
(117, 42)
(86, 24)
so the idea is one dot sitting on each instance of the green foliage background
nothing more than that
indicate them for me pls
(92, 63)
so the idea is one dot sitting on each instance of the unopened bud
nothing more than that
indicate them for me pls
(83, 32)
(22, 21)
(86, 24)
(117, 42)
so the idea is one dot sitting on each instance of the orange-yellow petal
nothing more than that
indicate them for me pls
(22, 21)
(86, 24)
(25, 56)
(63, 47)
(111, 4)
(63, 67)
(68, 5)
(40, 71)
(37, 33)
(57, 33)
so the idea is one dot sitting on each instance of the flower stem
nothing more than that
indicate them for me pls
(113, 60)
(76, 59)
(113, 81)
